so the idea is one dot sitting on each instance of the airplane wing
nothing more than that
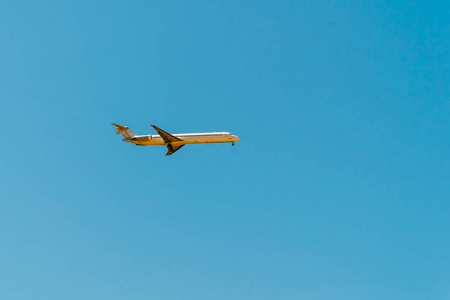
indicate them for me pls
(173, 143)
(167, 137)
(171, 149)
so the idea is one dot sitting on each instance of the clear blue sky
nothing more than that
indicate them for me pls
(338, 189)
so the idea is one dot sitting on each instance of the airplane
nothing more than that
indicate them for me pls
(174, 142)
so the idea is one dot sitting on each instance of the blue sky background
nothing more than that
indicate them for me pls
(338, 189)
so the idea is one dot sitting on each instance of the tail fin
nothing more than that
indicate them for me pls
(127, 133)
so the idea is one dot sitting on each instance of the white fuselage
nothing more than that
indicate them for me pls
(186, 138)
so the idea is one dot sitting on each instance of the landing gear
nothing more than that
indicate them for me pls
(232, 144)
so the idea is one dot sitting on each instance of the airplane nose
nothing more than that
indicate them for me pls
(235, 138)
